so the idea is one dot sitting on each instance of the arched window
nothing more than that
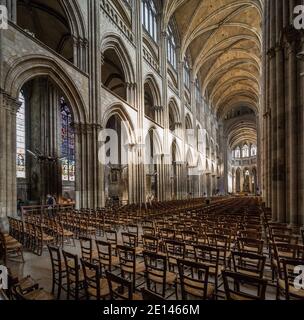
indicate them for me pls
(253, 151)
(171, 48)
(67, 143)
(149, 16)
(245, 151)
(186, 73)
(20, 123)
(237, 153)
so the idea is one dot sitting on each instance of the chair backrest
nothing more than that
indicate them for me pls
(120, 288)
(150, 243)
(250, 245)
(249, 263)
(129, 239)
(127, 260)
(148, 230)
(55, 258)
(208, 255)
(104, 250)
(292, 273)
(86, 245)
(111, 236)
(285, 238)
(91, 278)
(156, 270)
(72, 270)
(236, 286)
(190, 237)
(175, 249)
(193, 279)
(167, 233)
(133, 228)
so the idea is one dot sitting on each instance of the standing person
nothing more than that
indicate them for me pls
(20, 203)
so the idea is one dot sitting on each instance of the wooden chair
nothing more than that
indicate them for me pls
(106, 259)
(285, 238)
(64, 235)
(175, 250)
(58, 271)
(249, 264)
(221, 242)
(236, 286)
(129, 267)
(87, 252)
(111, 236)
(96, 287)
(302, 233)
(42, 240)
(150, 243)
(156, 273)
(75, 277)
(210, 257)
(131, 240)
(34, 295)
(150, 231)
(194, 280)
(121, 288)
(250, 245)
(288, 283)
(10, 246)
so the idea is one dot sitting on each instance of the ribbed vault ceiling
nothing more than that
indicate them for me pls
(224, 40)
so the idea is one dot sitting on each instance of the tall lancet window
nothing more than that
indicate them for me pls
(20, 123)
(245, 151)
(171, 48)
(67, 143)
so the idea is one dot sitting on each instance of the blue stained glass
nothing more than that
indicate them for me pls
(67, 143)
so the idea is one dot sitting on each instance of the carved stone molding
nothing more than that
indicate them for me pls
(86, 128)
(9, 103)
(158, 108)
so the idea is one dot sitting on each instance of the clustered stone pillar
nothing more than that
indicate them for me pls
(8, 197)
(282, 113)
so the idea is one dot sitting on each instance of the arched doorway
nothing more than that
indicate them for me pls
(117, 159)
(174, 172)
(247, 182)
(45, 144)
(151, 165)
(254, 183)
(238, 180)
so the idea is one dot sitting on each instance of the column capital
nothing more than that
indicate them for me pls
(9, 103)
(85, 128)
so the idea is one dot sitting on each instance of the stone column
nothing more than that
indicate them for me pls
(8, 192)
(11, 6)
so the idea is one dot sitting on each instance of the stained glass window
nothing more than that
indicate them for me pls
(187, 73)
(67, 143)
(171, 48)
(237, 153)
(20, 123)
(245, 151)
